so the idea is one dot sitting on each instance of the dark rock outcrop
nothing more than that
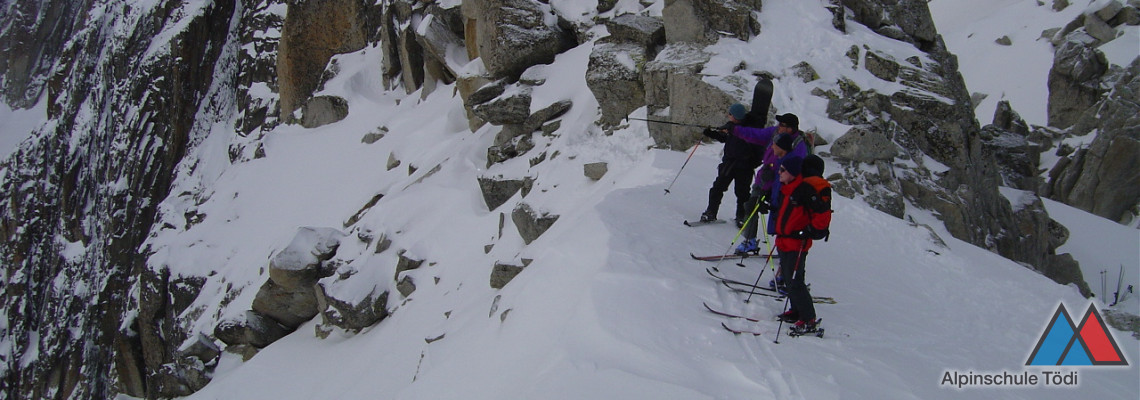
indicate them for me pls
(1102, 178)
(313, 32)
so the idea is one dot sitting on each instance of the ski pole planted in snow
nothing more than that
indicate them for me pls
(683, 166)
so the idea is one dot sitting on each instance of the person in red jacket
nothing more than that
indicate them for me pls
(804, 214)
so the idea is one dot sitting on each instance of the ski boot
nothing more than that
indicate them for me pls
(778, 285)
(748, 246)
(803, 327)
(707, 217)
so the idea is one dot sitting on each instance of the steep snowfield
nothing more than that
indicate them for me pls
(611, 308)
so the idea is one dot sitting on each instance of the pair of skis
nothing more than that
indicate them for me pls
(745, 287)
(792, 331)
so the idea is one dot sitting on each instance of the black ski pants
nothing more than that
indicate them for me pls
(792, 265)
(727, 173)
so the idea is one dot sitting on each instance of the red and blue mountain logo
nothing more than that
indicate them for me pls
(1089, 344)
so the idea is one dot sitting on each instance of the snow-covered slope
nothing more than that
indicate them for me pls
(610, 307)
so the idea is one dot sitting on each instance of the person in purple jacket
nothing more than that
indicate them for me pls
(786, 139)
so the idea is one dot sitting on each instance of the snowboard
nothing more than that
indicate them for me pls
(761, 100)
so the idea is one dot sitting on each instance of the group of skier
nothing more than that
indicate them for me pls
(787, 185)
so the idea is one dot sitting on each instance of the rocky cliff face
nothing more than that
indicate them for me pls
(127, 94)
(131, 86)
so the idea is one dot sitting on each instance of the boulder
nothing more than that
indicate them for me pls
(1101, 178)
(865, 145)
(530, 223)
(498, 191)
(644, 31)
(289, 307)
(614, 77)
(513, 35)
(507, 108)
(906, 20)
(595, 171)
(298, 265)
(440, 43)
(249, 328)
(502, 274)
(323, 110)
(675, 91)
(703, 22)
(313, 32)
(406, 263)
(1074, 82)
(340, 307)
(200, 347)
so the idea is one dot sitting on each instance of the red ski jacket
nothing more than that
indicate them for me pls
(804, 214)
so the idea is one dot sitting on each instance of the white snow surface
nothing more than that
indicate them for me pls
(611, 306)
(16, 125)
(1019, 72)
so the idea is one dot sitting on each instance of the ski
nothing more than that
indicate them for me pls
(770, 292)
(729, 280)
(739, 331)
(777, 296)
(730, 315)
(702, 223)
(815, 330)
(733, 256)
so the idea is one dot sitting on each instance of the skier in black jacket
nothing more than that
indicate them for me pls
(737, 165)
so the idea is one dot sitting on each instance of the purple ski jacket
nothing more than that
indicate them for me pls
(764, 137)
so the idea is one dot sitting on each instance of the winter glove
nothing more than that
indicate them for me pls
(818, 234)
(710, 132)
(761, 202)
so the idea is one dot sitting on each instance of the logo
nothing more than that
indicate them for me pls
(1087, 344)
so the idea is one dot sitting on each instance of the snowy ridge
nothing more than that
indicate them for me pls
(610, 307)
(609, 304)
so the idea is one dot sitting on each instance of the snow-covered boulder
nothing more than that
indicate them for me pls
(513, 35)
(649, 32)
(250, 328)
(614, 76)
(703, 22)
(675, 91)
(299, 263)
(341, 306)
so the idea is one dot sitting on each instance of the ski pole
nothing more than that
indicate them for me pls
(683, 166)
(1103, 295)
(670, 122)
(1119, 282)
(755, 285)
(738, 233)
(781, 326)
(788, 298)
